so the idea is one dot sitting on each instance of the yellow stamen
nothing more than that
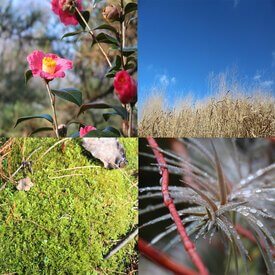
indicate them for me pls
(48, 65)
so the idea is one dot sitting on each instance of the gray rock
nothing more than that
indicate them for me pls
(107, 150)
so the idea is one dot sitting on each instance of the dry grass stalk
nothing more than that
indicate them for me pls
(225, 116)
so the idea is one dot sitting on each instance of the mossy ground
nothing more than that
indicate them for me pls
(66, 225)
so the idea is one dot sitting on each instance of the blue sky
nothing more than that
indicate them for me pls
(182, 41)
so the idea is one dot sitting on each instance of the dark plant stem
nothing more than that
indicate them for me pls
(122, 34)
(52, 100)
(168, 201)
(130, 129)
(162, 259)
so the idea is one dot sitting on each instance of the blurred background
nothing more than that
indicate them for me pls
(29, 25)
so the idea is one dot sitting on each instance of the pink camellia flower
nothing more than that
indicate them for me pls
(65, 10)
(125, 87)
(48, 66)
(85, 130)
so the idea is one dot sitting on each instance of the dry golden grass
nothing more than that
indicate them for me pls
(225, 115)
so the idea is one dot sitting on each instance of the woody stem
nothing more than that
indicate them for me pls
(130, 120)
(169, 203)
(94, 37)
(52, 100)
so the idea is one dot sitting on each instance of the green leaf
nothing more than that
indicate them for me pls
(71, 34)
(28, 76)
(44, 116)
(129, 51)
(69, 94)
(105, 38)
(112, 130)
(74, 135)
(42, 129)
(130, 7)
(115, 68)
(107, 27)
(86, 16)
(119, 109)
(106, 116)
(107, 132)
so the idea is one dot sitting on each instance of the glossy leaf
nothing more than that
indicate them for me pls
(113, 130)
(130, 7)
(115, 68)
(107, 27)
(105, 38)
(69, 94)
(86, 16)
(71, 34)
(42, 129)
(119, 109)
(106, 132)
(106, 116)
(28, 76)
(43, 116)
(129, 51)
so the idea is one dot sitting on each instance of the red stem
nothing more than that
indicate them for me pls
(162, 259)
(168, 201)
(248, 235)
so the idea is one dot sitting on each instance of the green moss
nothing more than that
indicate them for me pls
(66, 225)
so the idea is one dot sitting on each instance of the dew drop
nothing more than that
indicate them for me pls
(253, 210)
(260, 224)
(245, 214)
(258, 191)
(238, 237)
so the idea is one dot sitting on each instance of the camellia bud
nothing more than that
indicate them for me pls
(85, 130)
(111, 13)
(125, 87)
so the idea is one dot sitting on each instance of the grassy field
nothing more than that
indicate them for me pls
(71, 218)
(226, 115)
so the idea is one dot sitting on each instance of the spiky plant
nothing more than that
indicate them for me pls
(222, 188)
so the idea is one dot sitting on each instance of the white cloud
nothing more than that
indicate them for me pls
(257, 77)
(267, 83)
(166, 80)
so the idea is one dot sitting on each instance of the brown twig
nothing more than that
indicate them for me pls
(168, 201)
(162, 259)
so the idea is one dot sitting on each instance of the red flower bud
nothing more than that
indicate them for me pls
(125, 87)
(85, 130)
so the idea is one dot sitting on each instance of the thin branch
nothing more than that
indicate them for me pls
(52, 100)
(162, 259)
(168, 201)
(94, 37)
